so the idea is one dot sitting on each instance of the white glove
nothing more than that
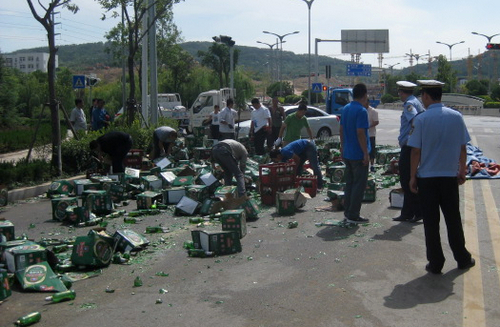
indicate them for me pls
(278, 141)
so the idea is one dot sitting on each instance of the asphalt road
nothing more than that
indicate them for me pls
(369, 275)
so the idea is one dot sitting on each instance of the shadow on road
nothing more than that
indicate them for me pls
(426, 289)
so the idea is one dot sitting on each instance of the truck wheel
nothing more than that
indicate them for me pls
(324, 133)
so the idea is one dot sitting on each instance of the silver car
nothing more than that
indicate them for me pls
(322, 124)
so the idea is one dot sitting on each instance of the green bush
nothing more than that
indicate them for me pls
(23, 173)
(20, 137)
(388, 98)
(492, 104)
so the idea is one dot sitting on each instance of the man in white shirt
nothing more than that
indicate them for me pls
(77, 117)
(260, 127)
(226, 121)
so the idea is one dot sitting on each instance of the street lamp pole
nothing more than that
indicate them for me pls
(272, 56)
(489, 37)
(309, 4)
(450, 46)
(280, 37)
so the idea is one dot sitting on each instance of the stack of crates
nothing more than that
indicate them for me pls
(276, 177)
(134, 159)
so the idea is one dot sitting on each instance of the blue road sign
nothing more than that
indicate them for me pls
(317, 87)
(78, 81)
(358, 70)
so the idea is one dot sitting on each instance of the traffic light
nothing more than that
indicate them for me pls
(325, 88)
(493, 46)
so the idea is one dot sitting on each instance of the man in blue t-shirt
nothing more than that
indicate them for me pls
(300, 151)
(355, 149)
(438, 164)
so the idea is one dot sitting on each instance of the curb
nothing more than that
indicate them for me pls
(33, 191)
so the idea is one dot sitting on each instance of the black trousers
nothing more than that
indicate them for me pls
(442, 193)
(259, 139)
(118, 155)
(411, 203)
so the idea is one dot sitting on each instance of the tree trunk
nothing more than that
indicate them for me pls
(54, 109)
(131, 103)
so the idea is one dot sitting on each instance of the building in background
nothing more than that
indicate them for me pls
(28, 62)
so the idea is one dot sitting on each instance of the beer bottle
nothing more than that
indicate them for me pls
(131, 220)
(195, 220)
(137, 282)
(62, 296)
(29, 319)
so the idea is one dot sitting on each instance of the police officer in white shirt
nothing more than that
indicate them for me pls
(260, 127)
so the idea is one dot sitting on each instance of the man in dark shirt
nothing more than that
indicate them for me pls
(113, 147)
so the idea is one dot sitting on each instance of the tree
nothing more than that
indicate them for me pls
(475, 87)
(274, 89)
(47, 21)
(8, 95)
(446, 74)
(131, 32)
(217, 57)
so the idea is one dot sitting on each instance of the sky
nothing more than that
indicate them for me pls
(414, 26)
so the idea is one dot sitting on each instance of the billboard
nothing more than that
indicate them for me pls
(365, 41)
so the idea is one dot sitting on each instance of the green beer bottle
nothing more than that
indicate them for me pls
(195, 220)
(61, 296)
(131, 220)
(137, 282)
(29, 319)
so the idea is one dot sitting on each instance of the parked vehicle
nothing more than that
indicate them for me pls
(337, 98)
(204, 105)
(322, 124)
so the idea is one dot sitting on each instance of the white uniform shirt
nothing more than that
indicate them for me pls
(226, 115)
(78, 117)
(260, 118)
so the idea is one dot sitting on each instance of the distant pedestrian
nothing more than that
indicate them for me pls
(100, 117)
(277, 117)
(77, 117)
(260, 127)
(293, 125)
(112, 148)
(438, 142)
(213, 120)
(163, 140)
(372, 132)
(355, 146)
(232, 156)
(91, 110)
(300, 151)
(226, 121)
(411, 210)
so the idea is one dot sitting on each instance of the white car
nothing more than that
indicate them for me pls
(322, 124)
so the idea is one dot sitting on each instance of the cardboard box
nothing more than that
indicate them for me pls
(22, 256)
(385, 156)
(173, 195)
(251, 209)
(118, 193)
(40, 277)
(146, 199)
(234, 220)
(94, 250)
(301, 197)
(336, 173)
(200, 153)
(197, 192)
(222, 191)
(76, 215)
(60, 187)
(337, 199)
(168, 178)
(7, 231)
(85, 184)
(370, 194)
(151, 183)
(59, 206)
(210, 206)
(285, 203)
(396, 198)
(98, 201)
(183, 181)
(127, 240)
(187, 206)
(219, 243)
(5, 290)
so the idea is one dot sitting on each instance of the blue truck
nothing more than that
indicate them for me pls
(337, 98)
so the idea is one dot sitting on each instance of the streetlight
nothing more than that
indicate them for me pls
(272, 54)
(227, 40)
(489, 37)
(280, 37)
(450, 46)
(309, 4)
(391, 66)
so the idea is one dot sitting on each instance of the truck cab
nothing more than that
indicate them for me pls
(336, 99)
(204, 105)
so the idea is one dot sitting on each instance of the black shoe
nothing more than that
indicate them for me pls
(431, 270)
(471, 264)
(401, 218)
(415, 219)
(358, 220)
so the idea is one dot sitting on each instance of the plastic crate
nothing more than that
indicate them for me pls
(278, 174)
(309, 183)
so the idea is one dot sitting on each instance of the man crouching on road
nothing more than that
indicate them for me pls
(300, 151)
(232, 156)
